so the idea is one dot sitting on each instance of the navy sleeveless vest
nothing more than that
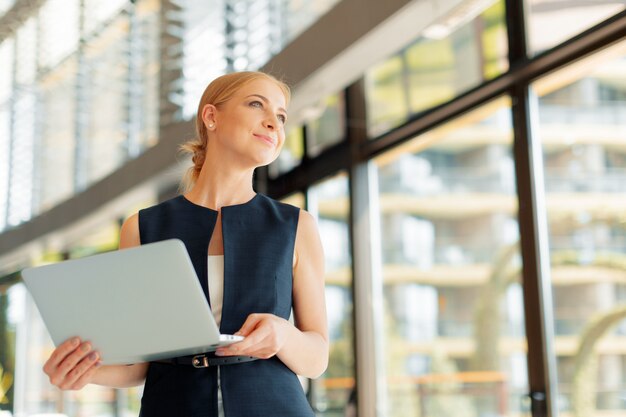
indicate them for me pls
(259, 238)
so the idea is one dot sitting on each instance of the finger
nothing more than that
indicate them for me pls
(80, 369)
(87, 376)
(253, 345)
(72, 359)
(59, 354)
(250, 324)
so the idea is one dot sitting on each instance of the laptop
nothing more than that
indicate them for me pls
(134, 305)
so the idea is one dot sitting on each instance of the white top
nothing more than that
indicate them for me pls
(216, 285)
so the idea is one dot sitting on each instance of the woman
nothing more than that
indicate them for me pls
(256, 260)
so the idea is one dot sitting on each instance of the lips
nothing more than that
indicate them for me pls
(269, 140)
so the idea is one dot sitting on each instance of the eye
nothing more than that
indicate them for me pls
(282, 118)
(256, 104)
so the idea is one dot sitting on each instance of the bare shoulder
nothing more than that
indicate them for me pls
(306, 222)
(129, 233)
(307, 231)
(308, 242)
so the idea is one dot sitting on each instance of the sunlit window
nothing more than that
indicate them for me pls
(220, 36)
(553, 22)
(55, 160)
(582, 128)
(6, 5)
(327, 128)
(449, 58)
(291, 154)
(328, 201)
(6, 89)
(59, 22)
(105, 86)
(454, 338)
(20, 202)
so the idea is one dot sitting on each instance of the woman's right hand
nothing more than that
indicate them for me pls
(72, 365)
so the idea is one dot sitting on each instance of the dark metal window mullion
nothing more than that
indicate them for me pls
(533, 228)
(366, 268)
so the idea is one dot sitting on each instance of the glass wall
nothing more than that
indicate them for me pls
(220, 36)
(328, 202)
(55, 156)
(582, 127)
(448, 59)
(78, 97)
(6, 90)
(553, 22)
(106, 70)
(20, 201)
(6, 5)
(327, 128)
(453, 311)
(292, 153)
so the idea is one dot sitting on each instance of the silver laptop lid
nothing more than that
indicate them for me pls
(137, 304)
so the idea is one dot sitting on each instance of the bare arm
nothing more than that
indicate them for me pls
(303, 347)
(73, 364)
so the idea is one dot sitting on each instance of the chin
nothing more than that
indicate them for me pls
(262, 162)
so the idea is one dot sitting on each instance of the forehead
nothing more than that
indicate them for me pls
(265, 88)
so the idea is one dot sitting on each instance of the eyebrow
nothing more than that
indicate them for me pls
(266, 100)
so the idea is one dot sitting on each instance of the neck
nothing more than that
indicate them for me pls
(222, 184)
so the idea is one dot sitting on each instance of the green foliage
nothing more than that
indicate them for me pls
(586, 360)
(7, 355)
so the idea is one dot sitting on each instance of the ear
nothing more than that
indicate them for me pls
(209, 112)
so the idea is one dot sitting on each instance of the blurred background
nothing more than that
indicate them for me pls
(465, 159)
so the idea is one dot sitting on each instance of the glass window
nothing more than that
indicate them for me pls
(20, 200)
(55, 159)
(220, 36)
(326, 129)
(6, 5)
(204, 49)
(295, 199)
(573, 17)
(582, 127)
(6, 90)
(105, 86)
(328, 202)
(300, 14)
(291, 154)
(59, 23)
(98, 12)
(147, 42)
(454, 54)
(5, 120)
(453, 310)
(21, 181)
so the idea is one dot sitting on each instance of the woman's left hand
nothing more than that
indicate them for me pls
(265, 335)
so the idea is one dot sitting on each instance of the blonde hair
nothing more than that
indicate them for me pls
(219, 91)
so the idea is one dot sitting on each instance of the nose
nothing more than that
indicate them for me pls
(270, 122)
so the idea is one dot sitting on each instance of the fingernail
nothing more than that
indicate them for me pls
(219, 353)
(75, 341)
(85, 347)
(98, 364)
(93, 356)
(237, 333)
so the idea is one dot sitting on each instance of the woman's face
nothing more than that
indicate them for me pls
(251, 125)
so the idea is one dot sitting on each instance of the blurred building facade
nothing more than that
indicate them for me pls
(465, 159)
